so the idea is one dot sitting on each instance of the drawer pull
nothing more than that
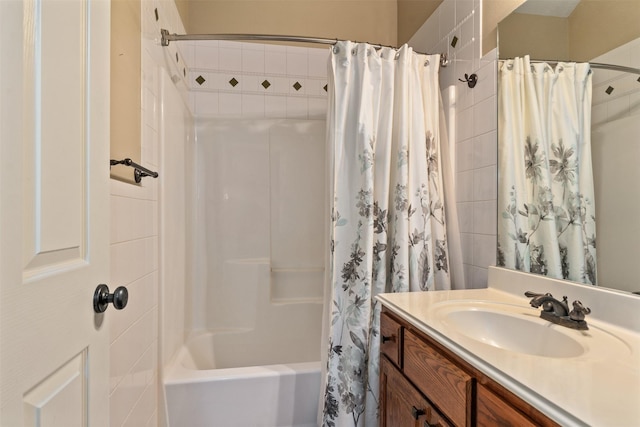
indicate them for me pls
(417, 413)
(392, 338)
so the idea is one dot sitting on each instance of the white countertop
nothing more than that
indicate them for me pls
(600, 387)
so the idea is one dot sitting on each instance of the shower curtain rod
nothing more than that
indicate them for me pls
(167, 38)
(600, 65)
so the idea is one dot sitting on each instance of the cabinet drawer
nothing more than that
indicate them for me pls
(401, 404)
(391, 338)
(442, 382)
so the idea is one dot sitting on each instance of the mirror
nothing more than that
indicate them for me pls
(602, 31)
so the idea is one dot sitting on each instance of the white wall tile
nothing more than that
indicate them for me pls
(485, 116)
(484, 183)
(206, 104)
(252, 106)
(229, 104)
(487, 79)
(599, 114)
(205, 57)
(485, 149)
(464, 187)
(127, 349)
(297, 64)
(253, 60)
(275, 62)
(317, 108)
(465, 217)
(466, 32)
(618, 108)
(275, 106)
(464, 156)
(297, 107)
(484, 250)
(464, 124)
(479, 277)
(230, 59)
(145, 408)
(466, 240)
(484, 218)
(317, 66)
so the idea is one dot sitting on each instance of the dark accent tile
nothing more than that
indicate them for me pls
(265, 84)
(200, 80)
(297, 86)
(454, 41)
(233, 82)
(156, 12)
(184, 72)
(638, 80)
(609, 90)
(325, 88)
(177, 59)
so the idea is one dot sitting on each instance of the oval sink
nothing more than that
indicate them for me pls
(513, 332)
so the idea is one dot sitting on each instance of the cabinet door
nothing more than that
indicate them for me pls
(493, 411)
(439, 379)
(401, 404)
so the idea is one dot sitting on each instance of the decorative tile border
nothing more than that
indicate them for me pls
(235, 79)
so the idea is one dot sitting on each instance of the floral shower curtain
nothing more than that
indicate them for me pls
(388, 226)
(546, 200)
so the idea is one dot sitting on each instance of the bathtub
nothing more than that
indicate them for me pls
(227, 378)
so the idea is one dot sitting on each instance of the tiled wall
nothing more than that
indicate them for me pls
(253, 80)
(134, 337)
(615, 94)
(454, 29)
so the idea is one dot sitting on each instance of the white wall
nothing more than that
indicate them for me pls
(135, 237)
(472, 122)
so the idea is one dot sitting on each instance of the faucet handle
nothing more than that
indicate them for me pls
(530, 294)
(579, 311)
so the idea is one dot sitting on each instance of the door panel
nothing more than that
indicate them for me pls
(55, 80)
(54, 207)
(60, 399)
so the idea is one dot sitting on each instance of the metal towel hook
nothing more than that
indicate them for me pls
(471, 80)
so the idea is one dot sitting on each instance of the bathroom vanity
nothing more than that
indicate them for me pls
(485, 357)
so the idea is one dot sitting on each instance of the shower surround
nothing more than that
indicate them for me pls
(254, 301)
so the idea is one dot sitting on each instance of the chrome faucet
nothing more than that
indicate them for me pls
(558, 311)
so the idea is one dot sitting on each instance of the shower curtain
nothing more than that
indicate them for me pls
(546, 221)
(388, 223)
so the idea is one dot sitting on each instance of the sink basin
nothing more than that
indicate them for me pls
(505, 328)
(512, 332)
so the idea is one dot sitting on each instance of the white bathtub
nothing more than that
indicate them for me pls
(227, 378)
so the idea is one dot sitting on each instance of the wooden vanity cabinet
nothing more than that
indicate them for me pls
(424, 384)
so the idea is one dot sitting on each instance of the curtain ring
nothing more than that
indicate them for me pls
(335, 49)
(397, 55)
(353, 51)
(426, 63)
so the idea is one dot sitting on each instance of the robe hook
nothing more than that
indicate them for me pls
(471, 80)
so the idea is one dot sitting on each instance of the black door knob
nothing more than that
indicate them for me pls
(102, 298)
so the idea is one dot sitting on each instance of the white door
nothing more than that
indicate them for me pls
(54, 211)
